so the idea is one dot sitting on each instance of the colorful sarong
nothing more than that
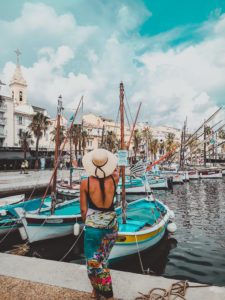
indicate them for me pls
(101, 230)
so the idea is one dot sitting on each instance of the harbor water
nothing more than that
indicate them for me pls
(195, 252)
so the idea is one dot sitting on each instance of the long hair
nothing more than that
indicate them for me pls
(101, 182)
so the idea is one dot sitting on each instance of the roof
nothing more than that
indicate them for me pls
(24, 109)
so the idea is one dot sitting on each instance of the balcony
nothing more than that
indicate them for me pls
(3, 106)
(2, 135)
(2, 121)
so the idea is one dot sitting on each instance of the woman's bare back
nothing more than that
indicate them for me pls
(96, 193)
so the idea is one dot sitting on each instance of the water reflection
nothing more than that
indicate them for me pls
(153, 260)
(196, 252)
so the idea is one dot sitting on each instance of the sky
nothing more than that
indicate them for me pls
(170, 56)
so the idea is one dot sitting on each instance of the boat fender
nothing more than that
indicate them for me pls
(172, 227)
(23, 233)
(76, 229)
(172, 214)
(3, 212)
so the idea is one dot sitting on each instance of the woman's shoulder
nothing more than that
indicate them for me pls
(83, 184)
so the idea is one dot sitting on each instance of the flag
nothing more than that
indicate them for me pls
(212, 142)
(79, 116)
(139, 168)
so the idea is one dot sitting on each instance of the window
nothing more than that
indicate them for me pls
(20, 120)
(20, 131)
(1, 129)
(12, 94)
(90, 143)
(21, 96)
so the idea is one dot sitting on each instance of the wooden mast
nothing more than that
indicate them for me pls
(59, 111)
(60, 154)
(122, 148)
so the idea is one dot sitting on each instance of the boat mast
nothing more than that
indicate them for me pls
(59, 113)
(204, 149)
(122, 148)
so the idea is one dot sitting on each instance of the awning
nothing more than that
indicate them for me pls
(11, 155)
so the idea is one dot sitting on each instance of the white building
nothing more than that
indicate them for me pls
(16, 114)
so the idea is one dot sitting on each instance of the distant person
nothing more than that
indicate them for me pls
(26, 166)
(22, 167)
(97, 210)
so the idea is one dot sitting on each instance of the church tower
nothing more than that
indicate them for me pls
(18, 85)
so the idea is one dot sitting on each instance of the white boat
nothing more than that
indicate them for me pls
(158, 183)
(146, 224)
(44, 226)
(206, 174)
(193, 174)
(11, 200)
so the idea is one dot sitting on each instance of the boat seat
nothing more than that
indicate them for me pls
(131, 226)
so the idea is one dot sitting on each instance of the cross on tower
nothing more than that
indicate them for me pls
(18, 53)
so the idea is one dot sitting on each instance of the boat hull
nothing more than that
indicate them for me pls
(40, 228)
(193, 175)
(121, 250)
(210, 174)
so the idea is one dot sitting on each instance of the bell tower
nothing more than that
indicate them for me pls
(18, 85)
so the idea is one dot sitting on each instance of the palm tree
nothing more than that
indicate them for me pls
(169, 143)
(84, 139)
(222, 134)
(110, 141)
(39, 125)
(61, 135)
(147, 137)
(25, 141)
(137, 141)
(154, 147)
(76, 136)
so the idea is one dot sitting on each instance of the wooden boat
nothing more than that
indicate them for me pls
(207, 174)
(9, 218)
(44, 226)
(193, 175)
(146, 223)
(60, 219)
(142, 223)
(11, 200)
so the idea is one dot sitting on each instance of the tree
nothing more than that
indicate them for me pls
(137, 141)
(169, 143)
(25, 141)
(222, 134)
(110, 141)
(61, 135)
(84, 139)
(39, 126)
(147, 137)
(76, 136)
(154, 147)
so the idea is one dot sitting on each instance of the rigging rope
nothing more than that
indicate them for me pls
(177, 289)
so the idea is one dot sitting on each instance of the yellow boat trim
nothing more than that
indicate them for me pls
(139, 238)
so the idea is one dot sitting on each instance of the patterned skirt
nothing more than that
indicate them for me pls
(101, 229)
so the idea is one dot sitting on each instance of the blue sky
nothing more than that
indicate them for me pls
(169, 54)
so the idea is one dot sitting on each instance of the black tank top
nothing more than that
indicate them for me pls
(93, 206)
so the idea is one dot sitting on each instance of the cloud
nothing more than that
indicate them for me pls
(91, 60)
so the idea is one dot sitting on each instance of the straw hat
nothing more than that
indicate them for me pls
(99, 163)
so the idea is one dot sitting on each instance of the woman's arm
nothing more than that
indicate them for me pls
(83, 198)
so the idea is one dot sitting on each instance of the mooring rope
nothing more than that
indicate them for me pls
(72, 245)
(11, 229)
(177, 289)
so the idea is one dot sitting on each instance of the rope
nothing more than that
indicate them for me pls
(139, 255)
(72, 245)
(15, 223)
(177, 289)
